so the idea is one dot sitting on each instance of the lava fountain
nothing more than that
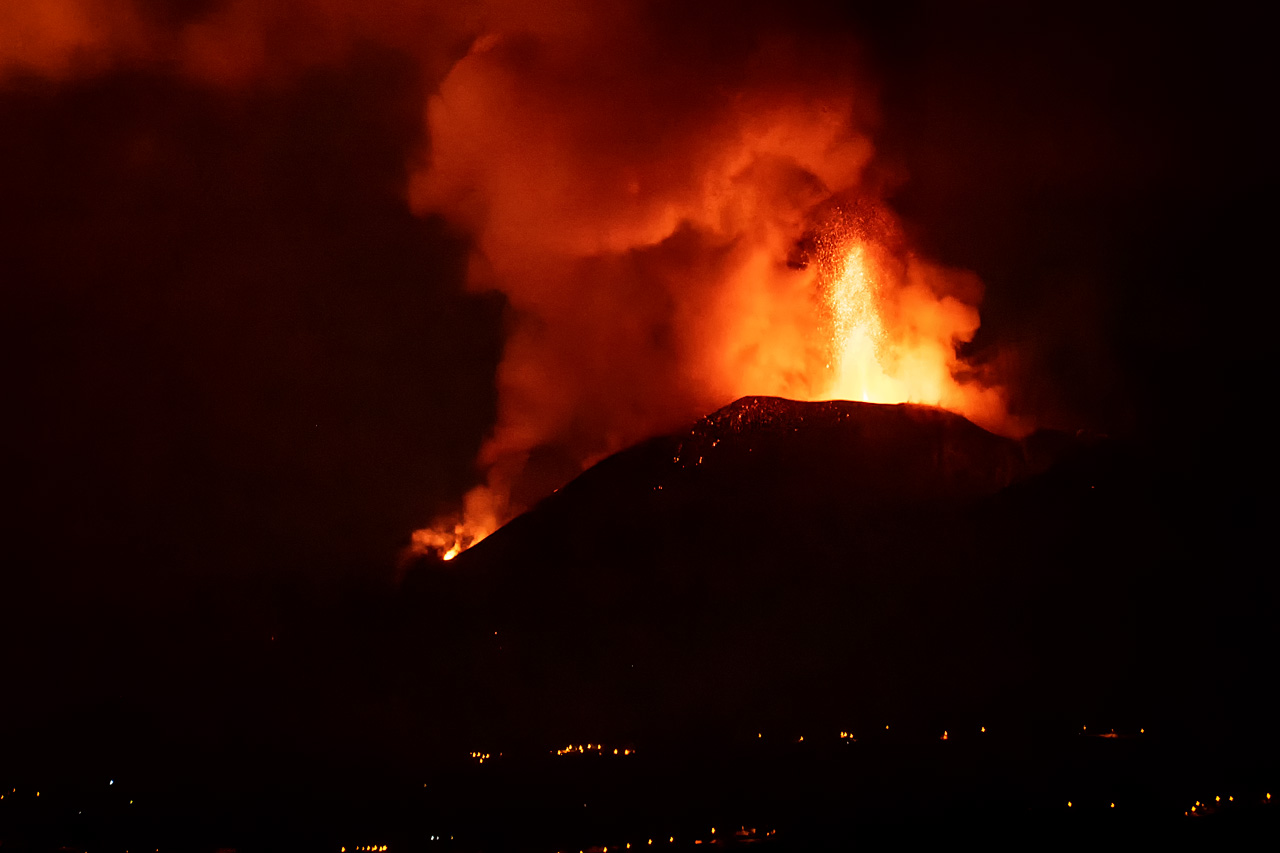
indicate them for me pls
(893, 322)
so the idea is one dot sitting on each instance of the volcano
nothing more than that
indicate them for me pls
(790, 563)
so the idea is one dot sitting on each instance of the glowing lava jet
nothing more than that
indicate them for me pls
(857, 334)
(894, 322)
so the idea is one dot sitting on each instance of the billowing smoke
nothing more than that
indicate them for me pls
(61, 38)
(681, 205)
(678, 217)
(220, 42)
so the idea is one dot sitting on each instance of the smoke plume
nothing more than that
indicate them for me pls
(681, 206)
(675, 214)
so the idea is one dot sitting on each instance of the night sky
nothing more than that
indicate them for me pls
(241, 368)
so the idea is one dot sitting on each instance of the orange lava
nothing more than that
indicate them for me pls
(895, 322)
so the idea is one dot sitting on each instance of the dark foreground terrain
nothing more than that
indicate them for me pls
(1010, 789)
(774, 617)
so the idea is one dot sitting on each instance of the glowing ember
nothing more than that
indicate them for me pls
(446, 543)
(450, 536)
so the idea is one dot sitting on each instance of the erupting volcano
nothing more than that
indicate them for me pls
(665, 248)
(827, 423)
(884, 327)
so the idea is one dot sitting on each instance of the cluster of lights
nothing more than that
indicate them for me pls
(742, 834)
(946, 734)
(593, 749)
(1201, 809)
(850, 738)
(481, 756)
(366, 847)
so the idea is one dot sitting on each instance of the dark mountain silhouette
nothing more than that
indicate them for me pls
(786, 564)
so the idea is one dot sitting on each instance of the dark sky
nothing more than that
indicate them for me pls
(234, 358)
(1105, 170)
(227, 331)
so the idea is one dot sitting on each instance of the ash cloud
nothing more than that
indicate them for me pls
(225, 43)
(633, 179)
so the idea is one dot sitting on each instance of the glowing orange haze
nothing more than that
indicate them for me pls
(636, 178)
(887, 336)
(666, 250)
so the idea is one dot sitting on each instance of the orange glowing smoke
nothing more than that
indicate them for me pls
(62, 37)
(450, 536)
(887, 326)
(634, 177)
(894, 322)
(226, 43)
(645, 227)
